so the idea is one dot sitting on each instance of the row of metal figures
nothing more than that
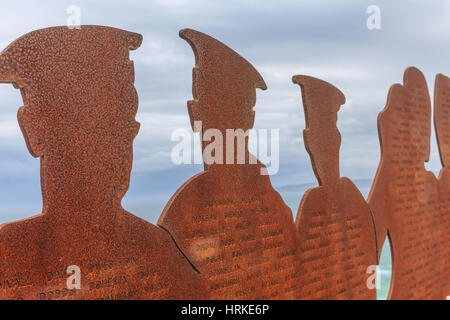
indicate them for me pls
(226, 233)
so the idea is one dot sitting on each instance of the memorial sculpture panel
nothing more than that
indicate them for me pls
(442, 127)
(228, 220)
(79, 119)
(336, 234)
(404, 198)
(226, 233)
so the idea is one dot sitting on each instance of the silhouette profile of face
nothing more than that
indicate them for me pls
(419, 110)
(321, 102)
(224, 85)
(407, 116)
(79, 107)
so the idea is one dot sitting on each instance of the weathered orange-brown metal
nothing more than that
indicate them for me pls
(442, 127)
(228, 220)
(79, 118)
(336, 245)
(404, 198)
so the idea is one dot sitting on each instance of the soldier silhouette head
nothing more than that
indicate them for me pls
(421, 133)
(321, 102)
(224, 91)
(79, 110)
(408, 116)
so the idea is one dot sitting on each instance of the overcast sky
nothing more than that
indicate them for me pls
(324, 39)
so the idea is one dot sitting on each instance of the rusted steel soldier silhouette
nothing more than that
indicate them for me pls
(228, 220)
(335, 229)
(442, 126)
(79, 118)
(404, 195)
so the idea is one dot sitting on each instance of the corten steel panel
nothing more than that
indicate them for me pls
(228, 220)
(79, 118)
(335, 229)
(442, 126)
(404, 197)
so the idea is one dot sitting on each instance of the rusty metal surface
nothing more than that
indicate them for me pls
(228, 220)
(442, 127)
(79, 118)
(404, 198)
(335, 229)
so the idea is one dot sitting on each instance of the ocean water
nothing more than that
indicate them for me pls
(385, 271)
